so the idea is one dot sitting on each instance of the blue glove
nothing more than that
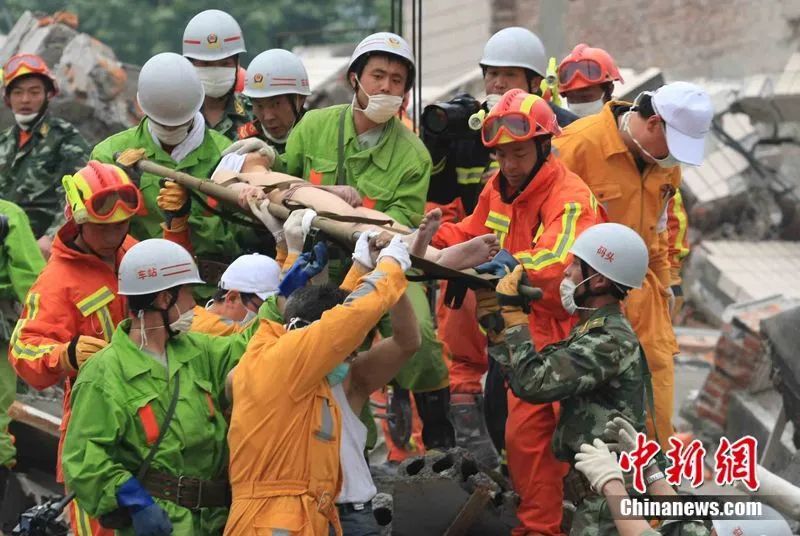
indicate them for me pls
(304, 268)
(149, 519)
(503, 263)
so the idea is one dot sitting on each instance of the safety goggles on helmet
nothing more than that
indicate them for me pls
(514, 124)
(30, 61)
(109, 205)
(590, 70)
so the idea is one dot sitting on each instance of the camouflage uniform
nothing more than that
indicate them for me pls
(680, 528)
(237, 113)
(597, 373)
(30, 176)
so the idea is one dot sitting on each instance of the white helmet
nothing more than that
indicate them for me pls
(154, 265)
(212, 35)
(276, 72)
(169, 90)
(387, 43)
(615, 251)
(252, 274)
(769, 523)
(515, 47)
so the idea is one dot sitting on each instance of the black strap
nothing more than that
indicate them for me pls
(164, 427)
(340, 178)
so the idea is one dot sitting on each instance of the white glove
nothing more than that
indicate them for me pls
(621, 435)
(260, 211)
(296, 228)
(361, 253)
(397, 250)
(598, 465)
(252, 145)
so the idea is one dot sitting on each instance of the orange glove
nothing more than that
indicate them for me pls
(508, 297)
(173, 198)
(76, 352)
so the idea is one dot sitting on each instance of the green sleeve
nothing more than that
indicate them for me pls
(292, 159)
(95, 430)
(561, 370)
(408, 204)
(102, 152)
(25, 260)
(223, 354)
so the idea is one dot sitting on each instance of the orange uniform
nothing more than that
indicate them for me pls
(538, 227)
(284, 434)
(593, 148)
(213, 324)
(76, 294)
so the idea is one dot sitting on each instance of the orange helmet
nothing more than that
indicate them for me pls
(21, 65)
(518, 116)
(586, 66)
(101, 193)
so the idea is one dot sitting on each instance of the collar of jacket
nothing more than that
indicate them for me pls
(154, 151)
(611, 140)
(135, 362)
(67, 233)
(601, 312)
(381, 154)
(551, 171)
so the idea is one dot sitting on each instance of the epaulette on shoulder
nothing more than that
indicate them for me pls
(594, 323)
(248, 130)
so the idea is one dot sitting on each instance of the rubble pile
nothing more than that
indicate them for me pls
(97, 92)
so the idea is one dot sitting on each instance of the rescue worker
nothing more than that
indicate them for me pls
(73, 307)
(213, 42)
(174, 134)
(20, 264)
(513, 58)
(145, 450)
(285, 428)
(586, 78)
(243, 289)
(38, 149)
(598, 371)
(277, 86)
(629, 155)
(363, 145)
(537, 208)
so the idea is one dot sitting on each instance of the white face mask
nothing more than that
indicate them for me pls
(184, 321)
(491, 100)
(380, 108)
(25, 120)
(666, 162)
(582, 109)
(567, 290)
(273, 139)
(170, 136)
(248, 317)
(217, 81)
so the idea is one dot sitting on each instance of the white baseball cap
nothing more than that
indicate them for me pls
(252, 274)
(687, 111)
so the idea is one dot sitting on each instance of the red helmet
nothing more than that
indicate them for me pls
(518, 116)
(101, 193)
(21, 65)
(585, 67)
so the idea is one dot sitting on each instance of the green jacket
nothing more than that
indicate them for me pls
(20, 257)
(237, 113)
(31, 176)
(394, 174)
(106, 440)
(597, 373)
(212, 237)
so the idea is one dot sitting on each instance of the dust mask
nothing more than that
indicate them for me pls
(25, 121)
(184, 321)
(338, 374)
(582, 109)
(248, 317)
(169, 136)
(666, 162)
(217, 81)
(380, 108)
(567, 290)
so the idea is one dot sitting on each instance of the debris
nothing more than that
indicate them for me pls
(784, 340)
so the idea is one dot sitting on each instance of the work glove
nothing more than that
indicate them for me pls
(512, 305)
(362, 253)
(253, 145)
(598, 465)
(273, 224)
(397, 250)
(173, 199)
(304, 268)
(500, 265)
(296, 227)
(79, 350)
(621, 435)
(149, 519)
(347, 193)
(489, 316)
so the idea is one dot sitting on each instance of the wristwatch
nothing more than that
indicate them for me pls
(654, 477)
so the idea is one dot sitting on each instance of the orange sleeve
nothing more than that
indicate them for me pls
(47, 324)
(354, 274)
(678, 239)
(450, 234)
(179, 233)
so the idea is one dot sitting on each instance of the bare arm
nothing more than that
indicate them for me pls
(374, 368)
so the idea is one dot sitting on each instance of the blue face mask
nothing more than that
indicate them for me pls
(338, 374)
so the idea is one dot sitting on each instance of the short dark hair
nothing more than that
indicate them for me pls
(48, 84)
(361, 62)
(644, 105)
(308, 303)
(143, 302)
